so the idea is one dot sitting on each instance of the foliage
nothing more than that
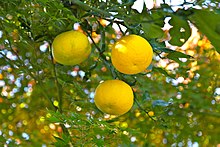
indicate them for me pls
(45, 103)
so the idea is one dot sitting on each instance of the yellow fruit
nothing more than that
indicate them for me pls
(114, 97)
(151, 113)
(71, 48)
(131, 54)
(1, 76)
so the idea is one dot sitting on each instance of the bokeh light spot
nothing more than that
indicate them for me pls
(56, 103)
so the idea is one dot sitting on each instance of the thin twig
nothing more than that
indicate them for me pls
(10, 44)
(135, 99)
(58, 86)
(88, 8)
(159, 55)
(96, 46)
(120, 29)
(42, 88)
(102, 57)
(60, 96)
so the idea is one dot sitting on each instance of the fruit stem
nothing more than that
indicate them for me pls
(102, 56)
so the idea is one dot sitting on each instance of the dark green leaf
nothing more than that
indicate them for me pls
(208, 22)
(54, 119)
(61, 141)
(156, 45)
(161, 70)
(166, 50)
(180, 32)
(172, 54)
(176, 55)
(152, 30)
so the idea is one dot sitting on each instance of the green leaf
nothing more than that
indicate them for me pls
(161, 70)
(172, 54)
(61, 141)
(2, 139)
(58, 139)
(208, 22)
(179, 55)
(54, 119)
(77, 87)
(156, 45)
(180, 32)
(164, 49)
(152, 30)
(176, 55)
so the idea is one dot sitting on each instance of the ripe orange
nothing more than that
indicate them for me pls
(131, 54)
(114, 97)
(71, 48)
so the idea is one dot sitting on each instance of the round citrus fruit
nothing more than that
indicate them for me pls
(131, 54)
(114, 97)
(71, 48)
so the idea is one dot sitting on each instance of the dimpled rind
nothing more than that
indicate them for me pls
(71, 48)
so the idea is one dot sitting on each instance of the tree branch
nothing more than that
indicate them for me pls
(102, 56)
(135, 99)
(60, 97)
(88, 8)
